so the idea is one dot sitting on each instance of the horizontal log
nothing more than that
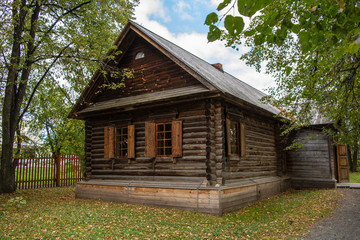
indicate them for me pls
(162, 172)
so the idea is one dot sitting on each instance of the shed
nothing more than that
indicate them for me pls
(182, 133)
(320, 163)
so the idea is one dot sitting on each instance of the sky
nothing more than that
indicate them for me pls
(182, 22)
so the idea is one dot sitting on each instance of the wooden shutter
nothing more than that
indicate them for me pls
(176, 136)
(150, 141)
(109, 142)
(242, 140)
(131, 141)
(228, 137)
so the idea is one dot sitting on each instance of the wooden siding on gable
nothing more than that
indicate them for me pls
(155, 72)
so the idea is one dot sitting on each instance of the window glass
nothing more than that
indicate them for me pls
(234, 138)
(121, 142)
(163, 139)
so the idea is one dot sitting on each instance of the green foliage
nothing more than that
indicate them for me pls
(46, 40)
(47, 119)
(312, 48)
(354, 177)
(55, 213)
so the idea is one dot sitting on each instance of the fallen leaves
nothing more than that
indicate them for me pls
(55, 213)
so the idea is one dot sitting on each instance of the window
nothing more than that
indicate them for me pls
(163, 139)
(235, 132)
(121, 142)
(234, 138)
(139, 55)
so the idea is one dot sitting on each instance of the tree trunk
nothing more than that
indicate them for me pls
(15, 91)
(350, 158)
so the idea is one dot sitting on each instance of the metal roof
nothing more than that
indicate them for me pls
(222, 81)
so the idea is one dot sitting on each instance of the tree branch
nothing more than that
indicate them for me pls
(41, 79)
(60, 17)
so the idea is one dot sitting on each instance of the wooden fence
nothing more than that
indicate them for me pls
(48, 171)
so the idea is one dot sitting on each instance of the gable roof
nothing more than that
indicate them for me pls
(207, 74)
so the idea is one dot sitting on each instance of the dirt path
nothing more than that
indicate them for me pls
(344, 223)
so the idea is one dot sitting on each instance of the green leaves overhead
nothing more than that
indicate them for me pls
(312, 49)
(234, 25)
(249, 7)
(214, 33)
(211, 19)
(224, 4)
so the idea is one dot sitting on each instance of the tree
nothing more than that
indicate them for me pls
(312, 48)
(47, 119)
(40, 38)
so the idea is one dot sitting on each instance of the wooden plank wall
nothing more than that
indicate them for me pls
(261, 159)
(190, 167)
(311, 161)
(155, 72)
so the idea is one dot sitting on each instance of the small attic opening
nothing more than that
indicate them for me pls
(139, 55)
(218, 66)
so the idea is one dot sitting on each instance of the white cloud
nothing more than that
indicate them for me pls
(181, 8)
(216, 2)
(197, 44)
(148, 8)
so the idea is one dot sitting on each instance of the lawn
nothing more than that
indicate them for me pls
(355, 177)
(54, 213)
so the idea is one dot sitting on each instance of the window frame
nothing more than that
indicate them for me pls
(166, 139)
(235, 144)
(122, 149)
(151, 139)
(110, 142)
(240, 138)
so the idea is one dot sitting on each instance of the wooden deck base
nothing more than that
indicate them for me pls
(190, 196)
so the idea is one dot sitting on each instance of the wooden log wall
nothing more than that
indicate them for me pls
(261, 158)
(312, 161)
(216, 142)
(155, 72)
(88, 145)
(190, 167)
(204, 146)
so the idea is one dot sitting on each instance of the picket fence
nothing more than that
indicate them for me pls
(48, 171)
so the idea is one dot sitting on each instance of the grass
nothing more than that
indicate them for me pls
(54, 213)
(355, 177)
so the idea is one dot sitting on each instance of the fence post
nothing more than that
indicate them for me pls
(58, 159)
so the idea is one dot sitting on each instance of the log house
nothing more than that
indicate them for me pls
(182, 133)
